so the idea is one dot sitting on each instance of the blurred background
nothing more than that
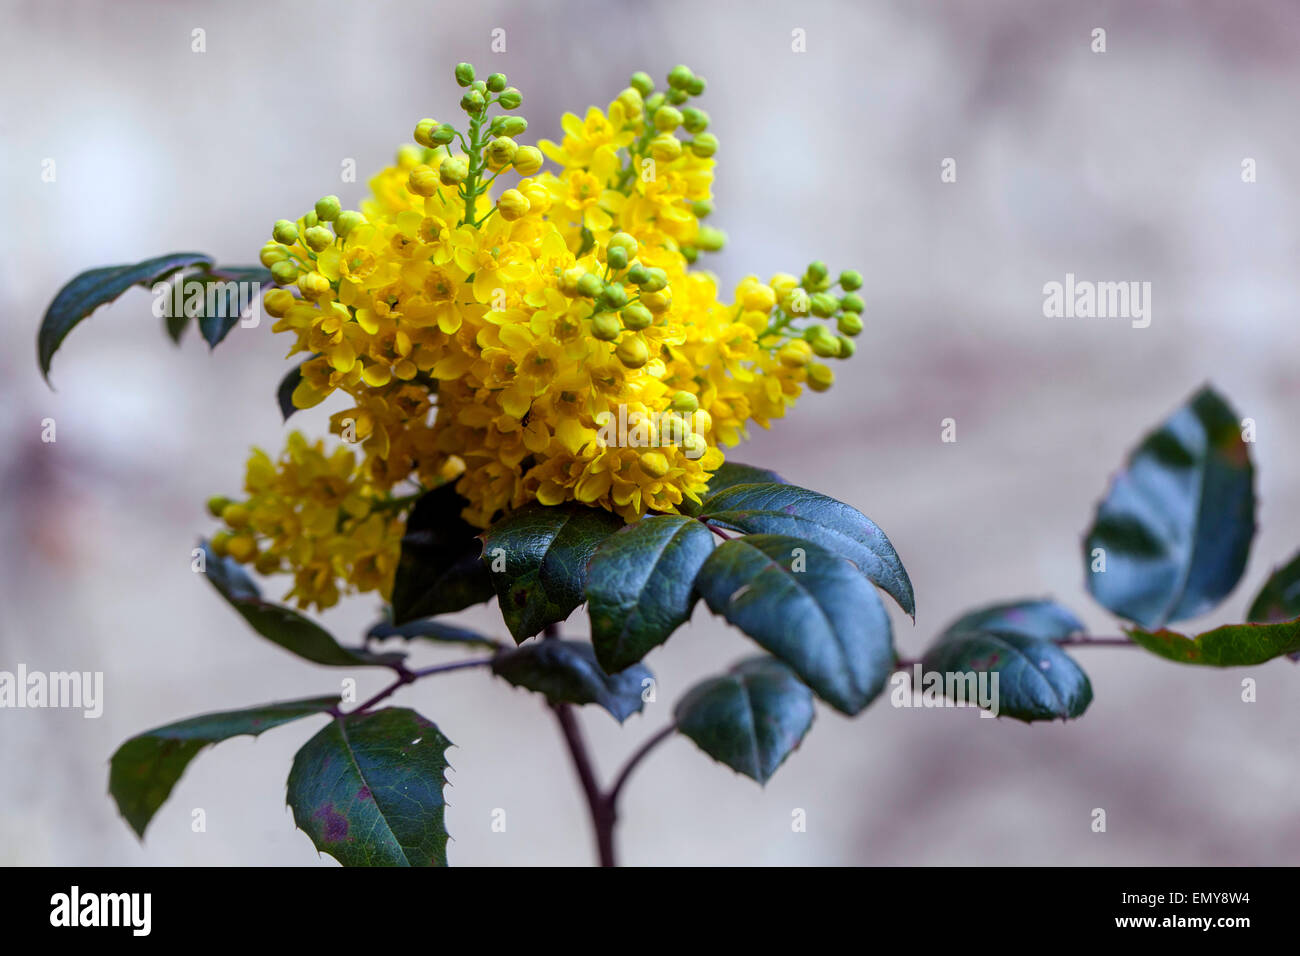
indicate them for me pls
(1116, 166)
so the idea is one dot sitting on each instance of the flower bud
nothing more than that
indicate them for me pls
(496, 82)
(847, 348)
(235, 515)
(828, 347)
(513, 205)
(569, 280)
(605, 326)
(590, 285)
(284, 232)
(453, 170)
(512, 125)
(424, 132)
(816, 271)
(510, 98)
(624, 241)
(701, 208)
(685, 402)
(423, 181)
(850, 281)
(654, 464)
(704, 145)
(679, 77)
(348, 220)
(657, 302)
(852, 303)
(655, 280)
(218, 503)
(636, 317)
(695, 121)
(614, 296)
(823, 305)
(272, 253)
(696, 86)
(653, 103)
(313, 285)
(757, 297)
(637, 274)
(221, 543)
(690, 253)
(850, 323)
(665, 147)
(500, 152)
(710, 239)
(795, 354)
(464, 74)
(676, 97)
(328, 208)
(319, 238)
(539, 197)
(630, 100)
(242, 548)
(311, 219)
(277, 302)
(642, 83)
(632, 351)
(615, 257)
(528, 160)
(820, 377)
(473, 102)
(284, 272)
(267, 563)
(783, 284)
(667, 119)
(443, 135)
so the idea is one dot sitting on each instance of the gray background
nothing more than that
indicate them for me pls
(1122, 166)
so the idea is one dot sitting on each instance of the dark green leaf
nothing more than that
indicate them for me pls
(368, 789)
(538, 556)
(640, 586)
(1232, 645)
(145, 768)
(1176, 525)
(1279, 600)
(429, 630)
(751, 719)
(1036, 679)
(89, 290)
(790, 510)
(284, 394)
(1032, 617)
(281, 625)
(813, 610)
(440, 570)
(567, 673)
(221, 289)
(175, 325)
(731, 473)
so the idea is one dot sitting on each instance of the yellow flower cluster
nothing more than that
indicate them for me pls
(505, 342)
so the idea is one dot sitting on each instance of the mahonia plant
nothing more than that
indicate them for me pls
(537, 384)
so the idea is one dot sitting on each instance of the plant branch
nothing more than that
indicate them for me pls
(641, 753)
(405, 676)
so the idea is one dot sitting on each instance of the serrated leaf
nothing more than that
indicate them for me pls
(1036, 679)
(750, 719)
(1176, 525)
(1232, 645)
(1033, 617)
(640, 586)
(825, 620)
(281, 625)
(729, 475)
(567, 673)
(538, 556)
(146, 768)
(429, 630)
(89, 290)
(368, 789)
(441, 569)
(769, 508)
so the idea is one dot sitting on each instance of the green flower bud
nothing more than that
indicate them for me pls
(479, 86)
(820, 377)
(850, 281)
(424, 131)
(633, 352)
(621, 240)
(655, 280)
(473, 102)
(328, 208)
(605, 326)
(667, 119)
(590, 285)
(704, 145)
(676, 97)
(284, 232)
(496, 82)
(685, 402)
(464, 74)
(679, 77)
(272, 252)
(642, 83)
(218, 504)
(823, 305)
(690, 254)
(710, 239)
(847, 348)
(828, 347)
(852, 303)
(453, 170)
(696, 86)
(311, 219)
(510, 98)
(654, 102)
(616, 257)
(284, 273)
(850, 323)
(443, 135)
(500, 152)
(638, 274)
(319, 238)
(695, 121)
(348, 220)
(614, 296)
(636, 317)
(816, 271)
(512, 125)
(816, 333)
(701, 208)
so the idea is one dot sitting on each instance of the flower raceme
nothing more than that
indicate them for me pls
(483, 333)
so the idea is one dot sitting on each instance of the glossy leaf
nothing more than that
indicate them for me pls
(1232, 645)
(281, 625)
(218, 283)
(1176, 525)
(790, 510)
(538, 557)
(440, 570)
(368, 789)
(640, 586)
(808, 606)
(1033, 617)
(89, 290)
(175, 326)
(429, 629)
(1279, 599)
(567, 672)
(1036, 679)
(750, 719)
(284, 393)
(729, 475)
(145, 769)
